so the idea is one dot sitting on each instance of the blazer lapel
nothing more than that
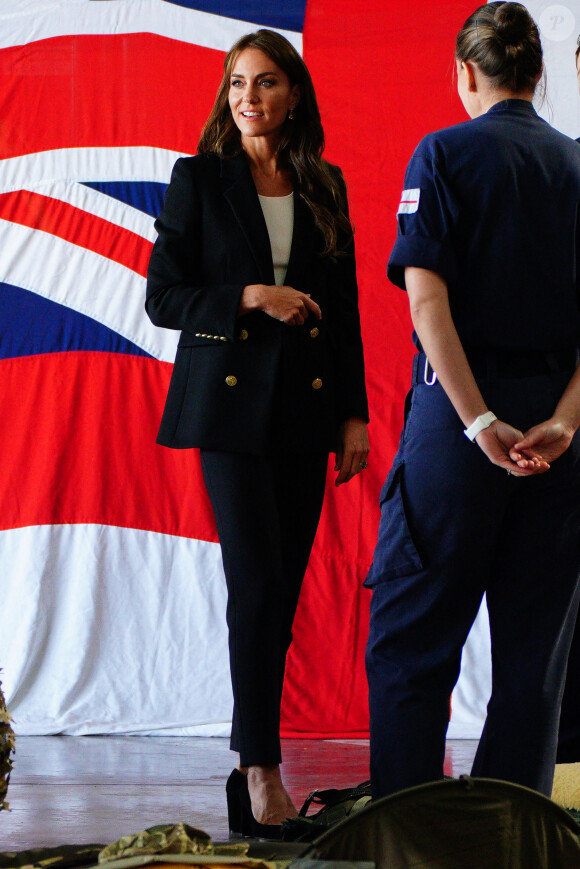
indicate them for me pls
(240, 191)
(303, 243)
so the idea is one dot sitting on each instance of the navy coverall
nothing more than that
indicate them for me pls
(569, 733)
(491, 205)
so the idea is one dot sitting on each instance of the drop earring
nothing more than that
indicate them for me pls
(291, 115)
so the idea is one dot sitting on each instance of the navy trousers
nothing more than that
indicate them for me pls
(267, 510)
(569, 733)
(453, 527)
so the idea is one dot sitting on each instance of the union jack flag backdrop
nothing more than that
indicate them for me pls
(111, 588)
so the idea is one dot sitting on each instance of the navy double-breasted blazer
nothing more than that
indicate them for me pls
(235, 379)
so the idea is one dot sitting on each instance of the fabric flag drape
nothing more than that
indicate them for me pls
(113, 599)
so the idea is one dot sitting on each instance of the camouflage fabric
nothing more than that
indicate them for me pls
(168, 840)
(62, 857)
(174, 839)
(162, 839)
(6, 749)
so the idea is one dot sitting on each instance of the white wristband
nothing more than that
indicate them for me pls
(482, 421)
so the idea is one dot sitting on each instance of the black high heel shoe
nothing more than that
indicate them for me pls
(234, 784)
(241, 819)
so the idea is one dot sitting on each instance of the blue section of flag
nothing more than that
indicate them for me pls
(288, 15)
(31, 324)
(147, 196)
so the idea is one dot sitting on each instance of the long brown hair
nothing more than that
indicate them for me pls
(302, 141)
(503, 40)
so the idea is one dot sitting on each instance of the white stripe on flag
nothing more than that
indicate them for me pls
(138, 163)
(45, 19)
(84, 281)
(471, 693)
(118, 630)
(99, 204)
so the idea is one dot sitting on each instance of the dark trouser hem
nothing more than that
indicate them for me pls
(275, 761)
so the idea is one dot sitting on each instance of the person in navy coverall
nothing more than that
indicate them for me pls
(484, 493)
(254, 264)
(569, 734)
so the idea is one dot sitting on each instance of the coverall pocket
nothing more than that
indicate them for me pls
(395, 554)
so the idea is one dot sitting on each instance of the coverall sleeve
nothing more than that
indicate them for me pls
(426, 216)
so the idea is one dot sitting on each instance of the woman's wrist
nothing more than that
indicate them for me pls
(564, 425)
(568, 422)
(251, 299)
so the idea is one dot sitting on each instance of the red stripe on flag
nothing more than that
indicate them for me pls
(127, 89)
(78, 226)
(78, 446)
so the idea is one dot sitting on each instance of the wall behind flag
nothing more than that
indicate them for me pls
(559, 25)
(110, 573)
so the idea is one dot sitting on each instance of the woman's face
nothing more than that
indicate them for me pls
(260, 94)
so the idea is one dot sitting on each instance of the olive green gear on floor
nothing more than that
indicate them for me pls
(6, 750)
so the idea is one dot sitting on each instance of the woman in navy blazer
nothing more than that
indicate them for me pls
(254, 264)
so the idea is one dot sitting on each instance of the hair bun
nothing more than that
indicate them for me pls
(504, 41)
(512, 23)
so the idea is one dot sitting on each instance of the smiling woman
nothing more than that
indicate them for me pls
(255, 265)
(261, 97)
(297, 145)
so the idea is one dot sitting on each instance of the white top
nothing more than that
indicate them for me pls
(279, 217)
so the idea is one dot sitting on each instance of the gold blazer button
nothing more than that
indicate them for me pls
(314, 333)
(231, 380)
(244, 335)
(316, 384)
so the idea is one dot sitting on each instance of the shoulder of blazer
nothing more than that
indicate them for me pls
(202, 168)
(211, 170)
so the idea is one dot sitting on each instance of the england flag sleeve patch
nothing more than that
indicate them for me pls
(409, 203)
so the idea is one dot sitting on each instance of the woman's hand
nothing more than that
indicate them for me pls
(283, 303)
(553, 437)
(353, 449)
(550, 438)
(503, 445)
